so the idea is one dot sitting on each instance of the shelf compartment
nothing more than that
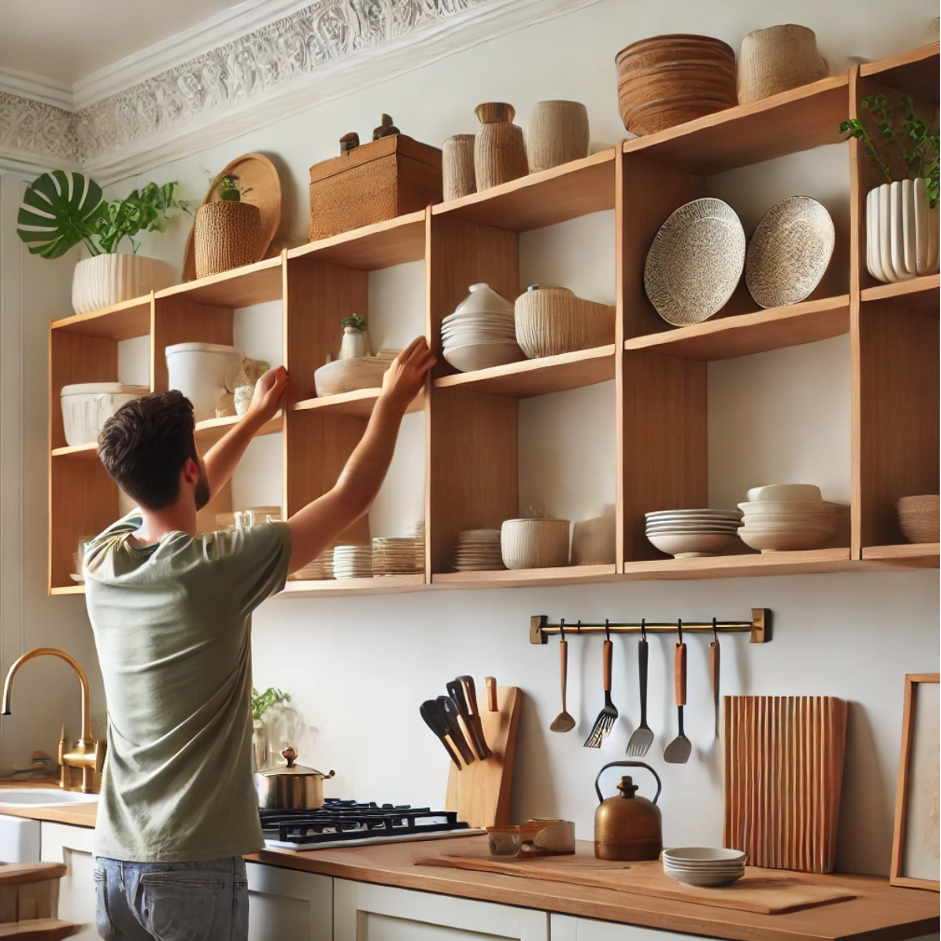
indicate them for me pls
(914, 72)
(921, 294)
(792, 121)
(80, 451)
(538, 376)
(532, 578)
(745, 334)
(357, 404)
(68, 590)
(332, 588)
(396, 241)
(909, 555)
(736, 566)
(210, 431)
(180, 319)
(540, 199)
(123, 321)
(239, 287)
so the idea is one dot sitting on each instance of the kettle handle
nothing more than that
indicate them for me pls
(627, 764)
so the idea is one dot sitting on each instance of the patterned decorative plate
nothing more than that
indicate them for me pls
(789, 252)
(695, 262)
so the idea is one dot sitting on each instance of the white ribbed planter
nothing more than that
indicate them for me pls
(901, 231)
(109, 279)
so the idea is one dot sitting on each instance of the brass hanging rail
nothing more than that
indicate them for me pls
(759, 627)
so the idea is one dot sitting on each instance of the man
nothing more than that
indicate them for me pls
(171, 615)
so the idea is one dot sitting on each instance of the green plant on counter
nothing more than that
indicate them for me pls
(262, 702)
(230, 190)
(61, 210)
(356, 321)
(899, 129)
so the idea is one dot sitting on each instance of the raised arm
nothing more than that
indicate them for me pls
(223, 457)
(315, 526)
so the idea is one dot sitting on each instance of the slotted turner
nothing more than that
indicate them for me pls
(642, 738)
(608, 715)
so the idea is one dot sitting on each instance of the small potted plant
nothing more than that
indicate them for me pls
(355, 342)
(63, 209)
(902, 213)
(228, 230)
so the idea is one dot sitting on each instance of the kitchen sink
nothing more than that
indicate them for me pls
(42, 797)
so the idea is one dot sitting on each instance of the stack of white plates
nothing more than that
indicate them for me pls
(352, 562)
(481, 332)
(689, 534)
(393, 556)
(700, 865)
(478, 550)
(787, 517)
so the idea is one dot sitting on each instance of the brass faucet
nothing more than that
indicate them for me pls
(86, 753)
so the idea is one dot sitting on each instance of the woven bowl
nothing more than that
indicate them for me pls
(535, 543)
(919, 518)
(550, 320)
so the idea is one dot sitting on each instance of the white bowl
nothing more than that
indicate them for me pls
(678, 528)
(482, 356)
(790, 526)
(703, 854)
(703, 879)
(535, 543)
(792, 541)
(762, 507)
(706, 512)
(784, 492)
(692, 545)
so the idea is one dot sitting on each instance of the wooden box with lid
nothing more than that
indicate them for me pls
(377, 181)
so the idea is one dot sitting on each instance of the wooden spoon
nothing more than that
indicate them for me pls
(563, 722)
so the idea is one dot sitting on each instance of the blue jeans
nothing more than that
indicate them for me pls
(203, 901)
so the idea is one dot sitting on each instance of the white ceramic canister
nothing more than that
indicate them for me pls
(203, 371)
(901, 231)
(86, 407)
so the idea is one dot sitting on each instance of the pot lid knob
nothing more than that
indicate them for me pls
(289, 754)
(627, 787)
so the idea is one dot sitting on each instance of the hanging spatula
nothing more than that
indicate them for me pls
(677, 752)
(642, 738)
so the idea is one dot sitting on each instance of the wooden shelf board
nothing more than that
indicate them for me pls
(916, 555)
(521, 578)
(538, 376)
(744, 334)
(68, 590)
(915, 72)
(208, 432)
(240, 287)
(540, 199)
(381, 245)
(386, 584)
(752, 564)
(795, 120)
(358, 404)
(80, 451)
(921, 294)
(122, 321)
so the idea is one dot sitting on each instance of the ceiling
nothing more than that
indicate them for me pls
(67, 40)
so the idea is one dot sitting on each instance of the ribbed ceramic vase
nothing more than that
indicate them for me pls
(109, 279)
(901, 231)
(226, 234)
(457, 166)
(558, 133)
(499, 155)
(777, 59)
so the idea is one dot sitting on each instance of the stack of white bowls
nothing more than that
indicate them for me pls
(703, 866)
(352, 562)
(787, 517)
(690, 534)
(478, 550)
(481, 332)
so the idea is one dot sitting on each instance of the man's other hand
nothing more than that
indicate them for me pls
(404, 379)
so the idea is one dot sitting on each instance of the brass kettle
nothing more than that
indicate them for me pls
(628, 827)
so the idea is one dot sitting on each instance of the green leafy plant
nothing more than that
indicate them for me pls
(262, 702)
(899, 130)
(230, 190)
(356, 321)
(61, 210)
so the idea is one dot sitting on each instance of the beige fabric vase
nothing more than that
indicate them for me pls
(778, 59)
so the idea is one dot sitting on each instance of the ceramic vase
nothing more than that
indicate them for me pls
(901, 231)
(499, 155)
(353, 344)
(110, 279)
(227, 235)
(558, 133)
(457, 166)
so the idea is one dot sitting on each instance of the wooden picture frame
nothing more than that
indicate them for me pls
(919, 747)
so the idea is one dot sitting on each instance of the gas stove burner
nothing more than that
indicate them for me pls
(346, 821)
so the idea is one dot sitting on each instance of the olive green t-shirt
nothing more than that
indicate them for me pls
(172, 625)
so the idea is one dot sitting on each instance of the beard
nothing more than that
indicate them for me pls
(201, 494)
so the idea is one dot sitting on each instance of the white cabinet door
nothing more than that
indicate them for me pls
(73, 847)
(570, 928)
(284, 904)
(363, 912)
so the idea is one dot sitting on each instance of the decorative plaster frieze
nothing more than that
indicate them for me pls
(36, 132)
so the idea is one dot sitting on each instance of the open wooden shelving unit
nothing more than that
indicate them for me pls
(659, 372)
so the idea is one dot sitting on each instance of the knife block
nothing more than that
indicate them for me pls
(480, 792)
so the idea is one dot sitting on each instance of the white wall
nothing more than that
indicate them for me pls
(358, 668)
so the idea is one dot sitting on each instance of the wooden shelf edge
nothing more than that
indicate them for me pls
(755, 564)
(359, 403)
(927, 51)
(908, 555)
(77, 320)
(215, 428)
(363, 233)
(67, 590)
(387, 584)
(224, 277)
(83, 451)
(901, 289)
(522, 578)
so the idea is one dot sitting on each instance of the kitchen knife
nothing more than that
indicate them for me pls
(470, 692)
(456, 691)
(435, 720)
(449, 710)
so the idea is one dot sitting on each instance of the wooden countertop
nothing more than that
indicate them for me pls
(76, 815)
(878, 913)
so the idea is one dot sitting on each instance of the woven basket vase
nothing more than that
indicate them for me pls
(457, 166)
(226, 234)
(777, 59)
(499, 154)
(552, 320)
(558, 133)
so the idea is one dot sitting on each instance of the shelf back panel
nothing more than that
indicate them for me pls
(178, 320)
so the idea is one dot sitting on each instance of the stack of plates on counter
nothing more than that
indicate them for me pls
(702, 866)
(787, 517)
(393, 556)
(481, 332)
(478, 550)
(689, 534)
(352, 562)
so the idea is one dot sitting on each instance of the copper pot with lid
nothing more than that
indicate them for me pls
(628, 827)
(290, 788)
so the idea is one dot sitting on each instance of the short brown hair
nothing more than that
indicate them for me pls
(145, 444)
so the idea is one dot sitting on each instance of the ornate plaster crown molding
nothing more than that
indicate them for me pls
(300, 58)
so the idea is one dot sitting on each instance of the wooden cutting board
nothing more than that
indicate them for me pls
(760, 891)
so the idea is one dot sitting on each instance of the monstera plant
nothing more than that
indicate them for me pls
(63, 209)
